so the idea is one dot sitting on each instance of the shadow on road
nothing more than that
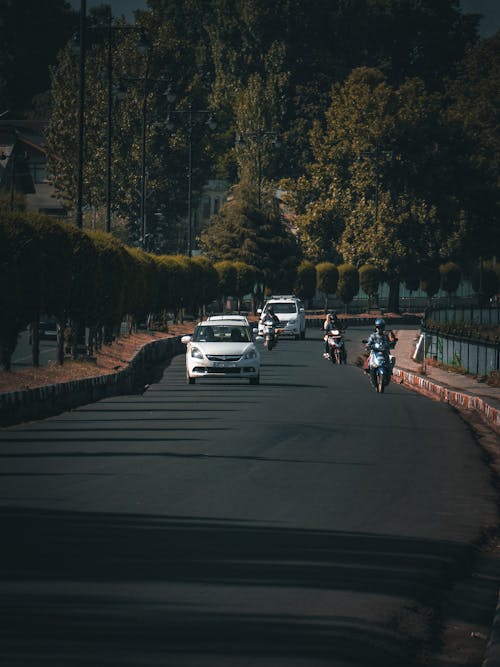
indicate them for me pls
(79, 585)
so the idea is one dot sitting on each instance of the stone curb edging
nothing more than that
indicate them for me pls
(492, 416)
(492, 654)
(49, 400)
(447, 395)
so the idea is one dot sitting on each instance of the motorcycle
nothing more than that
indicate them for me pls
(380, 365)
(269, 333)
(336, 347)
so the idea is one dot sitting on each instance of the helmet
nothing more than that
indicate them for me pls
(380, 324)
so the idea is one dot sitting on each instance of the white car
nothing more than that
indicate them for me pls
(291, 314)
(222, 348)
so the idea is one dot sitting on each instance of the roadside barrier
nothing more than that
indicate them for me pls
(42, 402)
(451, 396)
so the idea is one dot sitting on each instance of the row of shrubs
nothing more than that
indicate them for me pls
(90, 279)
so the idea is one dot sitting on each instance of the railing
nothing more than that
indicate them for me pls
(476, 355)
(470, 314)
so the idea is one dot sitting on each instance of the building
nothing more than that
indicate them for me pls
(23, 160)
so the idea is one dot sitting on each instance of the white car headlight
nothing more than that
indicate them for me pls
(196, 353)
(251, 354)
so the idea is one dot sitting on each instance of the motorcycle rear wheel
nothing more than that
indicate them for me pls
(380, 383)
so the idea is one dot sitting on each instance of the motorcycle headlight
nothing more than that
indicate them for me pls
(251, 354)
(196, 353)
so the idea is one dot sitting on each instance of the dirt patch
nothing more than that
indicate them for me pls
(110, 359)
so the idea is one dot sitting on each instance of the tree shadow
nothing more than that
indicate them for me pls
(98, 589)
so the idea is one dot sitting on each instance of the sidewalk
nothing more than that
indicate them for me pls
(461, 390)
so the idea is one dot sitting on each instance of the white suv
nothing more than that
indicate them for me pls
(290, 312)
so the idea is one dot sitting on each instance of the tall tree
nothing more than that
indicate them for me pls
(374, 192)
(473, 95)
(258, 237)
(31, 34)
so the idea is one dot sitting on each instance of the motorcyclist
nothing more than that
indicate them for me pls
(385, 341)
(331, 322)
(270, 314)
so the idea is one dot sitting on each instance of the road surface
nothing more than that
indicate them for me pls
(304, 522)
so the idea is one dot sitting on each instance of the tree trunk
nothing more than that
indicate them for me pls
(393, 303)
(35, 340)
(5, 358)
(60, 325)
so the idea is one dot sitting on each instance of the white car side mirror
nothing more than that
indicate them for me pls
(186, 339)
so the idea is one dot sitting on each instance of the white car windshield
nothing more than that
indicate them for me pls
(283, 308)
(221, 334)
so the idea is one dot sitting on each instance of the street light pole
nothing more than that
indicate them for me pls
(110, 123)
(212, 124)
(190, 177)
(81, 111)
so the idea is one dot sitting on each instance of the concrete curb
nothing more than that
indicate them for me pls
(42, 402)
(448, 395)
(492, 416)
(492, 653)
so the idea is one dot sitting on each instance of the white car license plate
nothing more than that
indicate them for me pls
(224, 364)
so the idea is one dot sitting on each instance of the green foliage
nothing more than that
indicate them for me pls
(485, 280)
(451, 276)
(205, 280)
(55, 250)
(348, 284)
(245, 279)
(474, 114)
(25, 71)
(327, 277)
(109, 300)
(235, 278)
(226, 272)
(173, 276)
(142, 283)
(305, 283)
(430, 280)
(369, 279)
(257, 237)
(18, 201)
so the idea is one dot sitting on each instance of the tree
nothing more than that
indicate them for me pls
(369, 280)
(473, 96)
(139, 112)
(430, 281)
(485, 281)
(305, 282)
(31, 35)
(55, 249)
(245, 280)
(21, 277)
(450, 278)
(348, 284)
(226, 271)
(375, 192)
(257, 237)
(327, 278)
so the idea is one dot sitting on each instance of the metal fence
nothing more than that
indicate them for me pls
(478, 356)
(468, 314)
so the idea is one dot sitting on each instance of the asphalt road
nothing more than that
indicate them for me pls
(23, 356)
(304, 522)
